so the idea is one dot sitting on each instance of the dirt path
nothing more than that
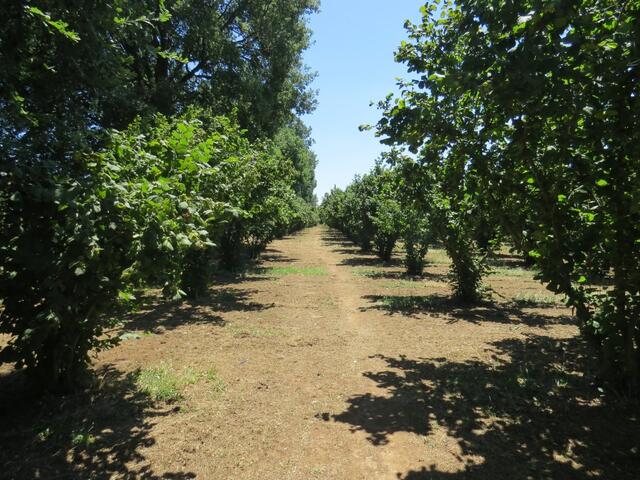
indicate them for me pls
(336, 367)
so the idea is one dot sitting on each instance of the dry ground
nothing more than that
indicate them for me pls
(329, 364)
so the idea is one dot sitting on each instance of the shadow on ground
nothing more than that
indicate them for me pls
(339, 243)
(367, 260)
(276, 256)
(335, 238)
(506, 260)
(101, 433)
(97, 434)
(444, 306)
(531, 413)
(155, 315)
(394, 275)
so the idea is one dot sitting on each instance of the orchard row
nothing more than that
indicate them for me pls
(521, 124)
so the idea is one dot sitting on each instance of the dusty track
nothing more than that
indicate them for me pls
(336, 376)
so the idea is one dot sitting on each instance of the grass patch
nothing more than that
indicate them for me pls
(535, 300)
(513, 272)
(437, 256)
(291, 270)
(82, 439)
(164, 383)
(402, 284)
(135, 335)
(367, 272)
(216, 383)
(411, 304)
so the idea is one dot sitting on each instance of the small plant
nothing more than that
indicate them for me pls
(82, 439)
(164, 383)
(45, 434)
(133, 335)
(216, 384)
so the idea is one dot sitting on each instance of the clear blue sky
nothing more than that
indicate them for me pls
(354, 42)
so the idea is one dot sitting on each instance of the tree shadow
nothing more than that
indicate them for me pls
(155, 315)
(99, 433)
(532, 413)
(507, 260)
(349, 251)
(365, 260)
(360, 258)
(338, 240)
(275, 256)
(401, 275)
(445, 306)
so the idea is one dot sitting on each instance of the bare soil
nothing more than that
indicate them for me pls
(337, 366)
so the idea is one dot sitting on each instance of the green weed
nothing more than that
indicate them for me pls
(291, 270)
(216, 383)
(437, 256)
(133, 335)
(535, 300)
(369, 273)
(401, 284)
(82, 439)
(164, 383)
(512, 272)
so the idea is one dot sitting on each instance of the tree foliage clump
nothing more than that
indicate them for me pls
(403, 202)
(366, 211)
(528, 115)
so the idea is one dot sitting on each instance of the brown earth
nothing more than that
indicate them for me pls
(336, 366)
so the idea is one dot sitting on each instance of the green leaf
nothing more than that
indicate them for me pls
(608, 44)
(126, 296)
(59, 25)
(534, 254)
(167, 245)
(180, 294)
(172, 56)
(522, 22)
(562, 198)
(602, 183)
(582, 279)
(183, 240)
